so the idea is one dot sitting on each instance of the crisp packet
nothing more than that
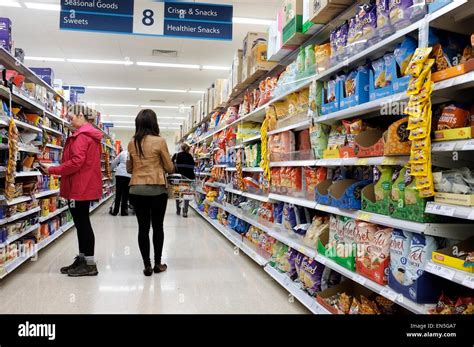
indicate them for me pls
(370, 24)
(389, 61)
(416, 65)
(404, 52)
(384, 27)
(379, 73)
(419, 169)
(331, 91)
(350, 83)
(423, 144)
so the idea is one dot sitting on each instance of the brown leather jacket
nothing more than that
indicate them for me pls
(151, 168)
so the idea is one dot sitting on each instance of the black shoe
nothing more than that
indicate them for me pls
(178, 212)
(77, 261)
(160, 268)
(148, 271)
(113, 213)
(83, 270)
(185, 214)
(124, 214)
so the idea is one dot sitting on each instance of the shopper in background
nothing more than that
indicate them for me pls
(122, 180)
(184, 164)
(149, 161)
(81, 183)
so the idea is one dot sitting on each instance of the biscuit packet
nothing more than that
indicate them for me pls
(419, 156)
(424, 144)
(420, 132)
(322, 54)
(420, 169)
(378, 66)
(423, 182)
(415, 67)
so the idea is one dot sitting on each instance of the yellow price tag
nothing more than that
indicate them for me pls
(389, 161)
(365, 216)
(362, 161)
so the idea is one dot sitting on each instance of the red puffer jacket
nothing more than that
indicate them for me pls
(80, 171)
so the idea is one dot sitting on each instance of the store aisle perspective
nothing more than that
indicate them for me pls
(204, 275)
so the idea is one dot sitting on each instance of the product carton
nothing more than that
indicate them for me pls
(361, 93)
(293, 22)
(276, 49)
(322, 11)
(340, 253)
(425, 290)
(259, 59)
(369, 143)
(454, 134)
(346, 193)
(447, 256)
(220, 92)
(453, 71)
(250, 40)
(349, 287)
(237, 66)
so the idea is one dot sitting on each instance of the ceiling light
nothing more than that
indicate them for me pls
(242, 20)
(159, 106)
(10, 3)
(119, 105)
(111, 88)
(45, 59)
(182, 66)
(42, 6)
(196, 91)
(96, 61)
(210, 67)
(162, 90)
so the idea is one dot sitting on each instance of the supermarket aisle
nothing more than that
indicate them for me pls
(204, 275)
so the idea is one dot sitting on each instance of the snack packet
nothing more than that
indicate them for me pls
(416, 65)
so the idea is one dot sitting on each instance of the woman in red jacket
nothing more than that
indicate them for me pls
(81, 183)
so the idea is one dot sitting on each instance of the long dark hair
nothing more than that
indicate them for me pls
(145, 124)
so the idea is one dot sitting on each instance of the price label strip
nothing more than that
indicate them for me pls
(468, 146)
(468, 281)
(360, 279)
(365, 216)
(389, 294)
(362, 162)
(441, 271)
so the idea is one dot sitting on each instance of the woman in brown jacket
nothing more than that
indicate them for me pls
(149, 160)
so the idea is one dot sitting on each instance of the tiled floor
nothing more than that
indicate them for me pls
(204, 275)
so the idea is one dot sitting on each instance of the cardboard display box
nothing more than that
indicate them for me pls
(454, 134)
(237, 65)
(425, 290)
(446, 255)
(346, 193)
(455, 199)
(369, 143)
(323, 11)
(454, 71)
(259, 59)
(349, 287)
(250, 40)
(293, 22)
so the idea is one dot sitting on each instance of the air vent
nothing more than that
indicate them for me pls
(157, 100)
(164, 53)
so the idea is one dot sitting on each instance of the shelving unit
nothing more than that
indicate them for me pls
(19, 216)
(19, 235)
(46, 193)
(54, 146)
(53, 214)
(52, 131)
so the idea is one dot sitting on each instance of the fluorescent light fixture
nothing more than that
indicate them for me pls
(43, 6)
(97, 61)
(182, 66)
(8, 3)
(196, 91)
(110, 88)
(119, 105)
(160, 106)
(162, 90)
(257, 21)
(45, 59)
(211, 67)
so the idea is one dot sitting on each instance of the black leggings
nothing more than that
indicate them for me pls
(85, 234)
(122, 194)
(150, 210)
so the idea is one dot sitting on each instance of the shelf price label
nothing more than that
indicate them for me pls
(471, 215)
(359, 279)
(468, 146)
(468, 281)
(389, 294)
(444, 146)
(321, 259)
(365, 216)
(362, 162)
(442, 210)
(441, 271)
(389, 161)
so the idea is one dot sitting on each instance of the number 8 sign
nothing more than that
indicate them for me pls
(148, 18)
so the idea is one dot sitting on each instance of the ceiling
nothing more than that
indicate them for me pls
(37, 33)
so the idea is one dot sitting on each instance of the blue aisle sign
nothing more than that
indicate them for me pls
(75, 89)
(148, 17)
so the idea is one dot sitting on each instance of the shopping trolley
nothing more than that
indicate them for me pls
(180, 187)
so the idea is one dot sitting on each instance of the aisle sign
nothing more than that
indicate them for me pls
(148, 17)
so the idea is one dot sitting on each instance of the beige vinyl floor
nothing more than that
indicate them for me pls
(204, 275)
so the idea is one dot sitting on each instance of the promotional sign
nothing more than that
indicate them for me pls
(75, 89)
(147, 17)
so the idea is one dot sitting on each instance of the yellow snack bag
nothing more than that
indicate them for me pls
(420, 132)
(424, 144)
(417, 85)
(419, 156)
(416, 63)
(427, 192)
(420, 169)
(423, 182)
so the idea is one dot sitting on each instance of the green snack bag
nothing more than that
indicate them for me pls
(310, 59)
(319, 135)
(300, 61)
(397, 195)
(383, 186)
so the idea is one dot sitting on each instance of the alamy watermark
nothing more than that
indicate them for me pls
(393, 108)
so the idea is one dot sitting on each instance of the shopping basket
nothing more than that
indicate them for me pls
(180, 187)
